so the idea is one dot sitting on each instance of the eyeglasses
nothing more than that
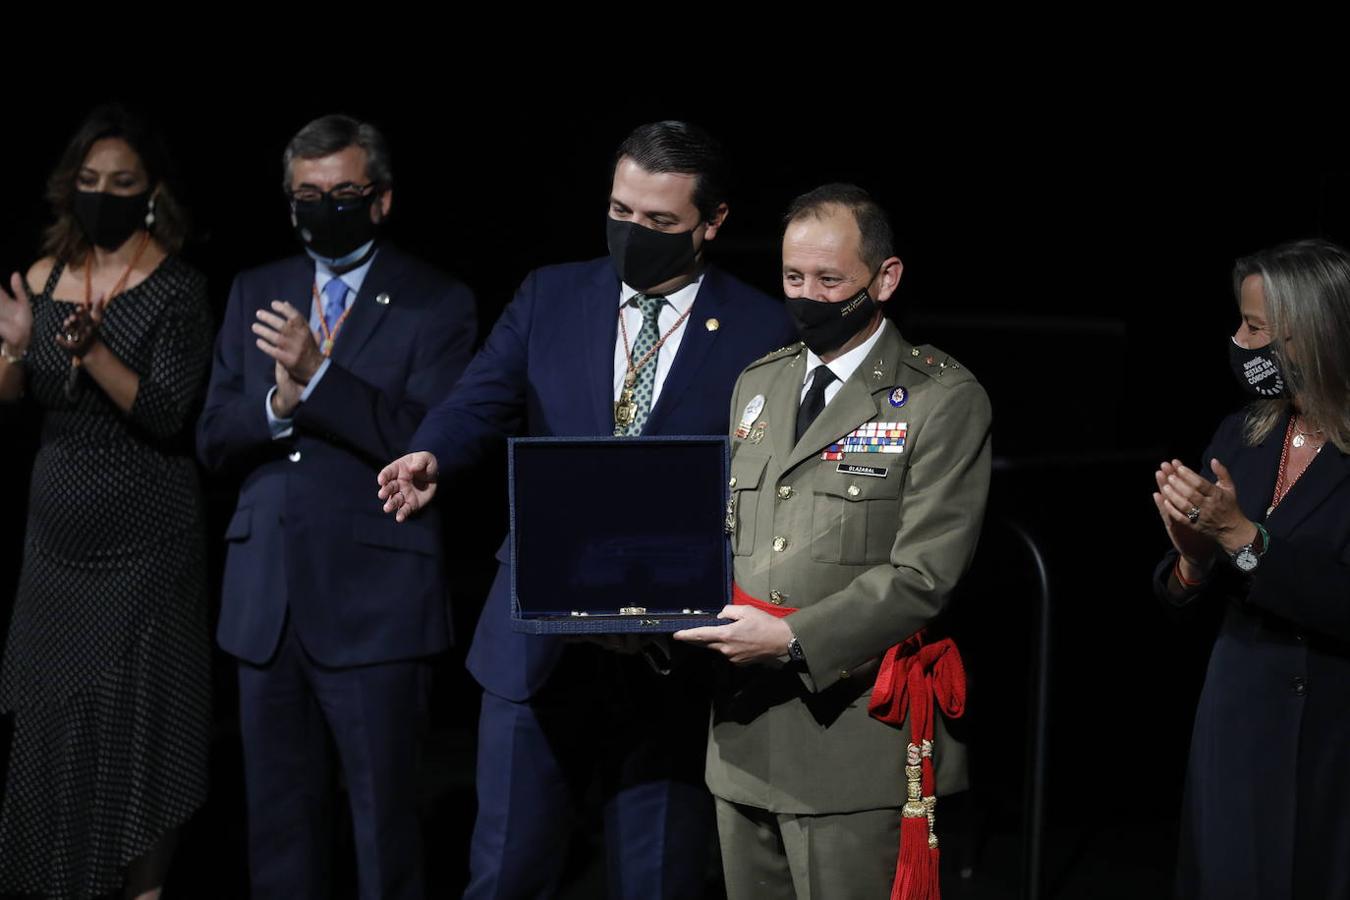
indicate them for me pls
(343, 194)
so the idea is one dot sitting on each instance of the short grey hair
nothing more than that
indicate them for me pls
(330, 134)
(1307, 288)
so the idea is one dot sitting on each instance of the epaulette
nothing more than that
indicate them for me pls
(780, 353)
(939, 366)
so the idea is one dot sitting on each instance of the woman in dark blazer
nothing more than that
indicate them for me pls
(1264, 528)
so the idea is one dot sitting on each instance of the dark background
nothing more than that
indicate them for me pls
(1077, 261)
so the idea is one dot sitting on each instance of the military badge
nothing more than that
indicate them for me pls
(752, 411)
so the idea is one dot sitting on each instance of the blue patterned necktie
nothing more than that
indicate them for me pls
(645, 385)
(335, 304)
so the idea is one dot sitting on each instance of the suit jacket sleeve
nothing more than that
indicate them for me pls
(233, 424)
(346, 409)
(941, 513)
(488, 403)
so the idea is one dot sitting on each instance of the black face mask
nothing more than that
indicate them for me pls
(1258, 371)
(333, 228)
(823, 326)
(109, 220)
(644, 257)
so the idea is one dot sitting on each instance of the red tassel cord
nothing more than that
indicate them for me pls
(913, 674)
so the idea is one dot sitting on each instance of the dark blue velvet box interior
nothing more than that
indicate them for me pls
(604, 527)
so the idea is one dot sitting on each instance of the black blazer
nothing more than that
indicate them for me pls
(1265, 813)
(1304, 577)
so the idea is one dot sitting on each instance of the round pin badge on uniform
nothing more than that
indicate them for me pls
(712, 324)
(899, 396)
(382, 299)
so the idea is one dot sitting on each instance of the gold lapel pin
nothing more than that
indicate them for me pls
(712, 324)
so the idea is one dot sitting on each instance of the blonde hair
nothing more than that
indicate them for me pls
(1307, 288)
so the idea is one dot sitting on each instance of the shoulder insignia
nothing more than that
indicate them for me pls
(780, 353)
(937, 365)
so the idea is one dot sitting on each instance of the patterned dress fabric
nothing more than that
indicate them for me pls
(106, 667)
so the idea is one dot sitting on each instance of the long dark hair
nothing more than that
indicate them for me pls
(63, 238)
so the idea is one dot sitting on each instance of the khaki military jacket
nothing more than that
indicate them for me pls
(868, 547)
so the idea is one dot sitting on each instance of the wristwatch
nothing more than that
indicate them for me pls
(1247, 558)
(795, 653)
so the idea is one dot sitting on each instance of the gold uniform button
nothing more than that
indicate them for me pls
(843, 673)
(784, 492)
(854, 490)
(780, 544)
(777, 597)
(732, 482)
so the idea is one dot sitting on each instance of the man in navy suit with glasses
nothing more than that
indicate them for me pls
(325, 365)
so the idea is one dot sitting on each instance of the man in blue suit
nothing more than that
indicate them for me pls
(647, 341)
(325, 364)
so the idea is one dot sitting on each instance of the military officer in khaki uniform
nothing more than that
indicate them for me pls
(860, 469)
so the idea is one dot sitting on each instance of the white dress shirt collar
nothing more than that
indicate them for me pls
(679, 300)
(845, 365)
(353, 278)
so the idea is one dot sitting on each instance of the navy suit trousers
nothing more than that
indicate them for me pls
(604, 722)
(293, 713)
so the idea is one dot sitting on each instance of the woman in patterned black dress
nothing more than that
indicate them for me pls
(106, 665)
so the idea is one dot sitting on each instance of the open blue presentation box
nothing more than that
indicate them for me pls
(618, 535)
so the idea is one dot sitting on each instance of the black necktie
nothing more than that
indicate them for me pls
(814, 401)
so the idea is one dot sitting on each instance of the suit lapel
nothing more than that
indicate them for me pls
(367, 312)
(600, 329)
(1321, 479)
(695, 345)
(1254, 470)
(854, 404)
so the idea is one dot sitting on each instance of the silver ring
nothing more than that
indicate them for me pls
(1194, 514)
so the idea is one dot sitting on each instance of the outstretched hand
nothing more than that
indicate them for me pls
(408, 484)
